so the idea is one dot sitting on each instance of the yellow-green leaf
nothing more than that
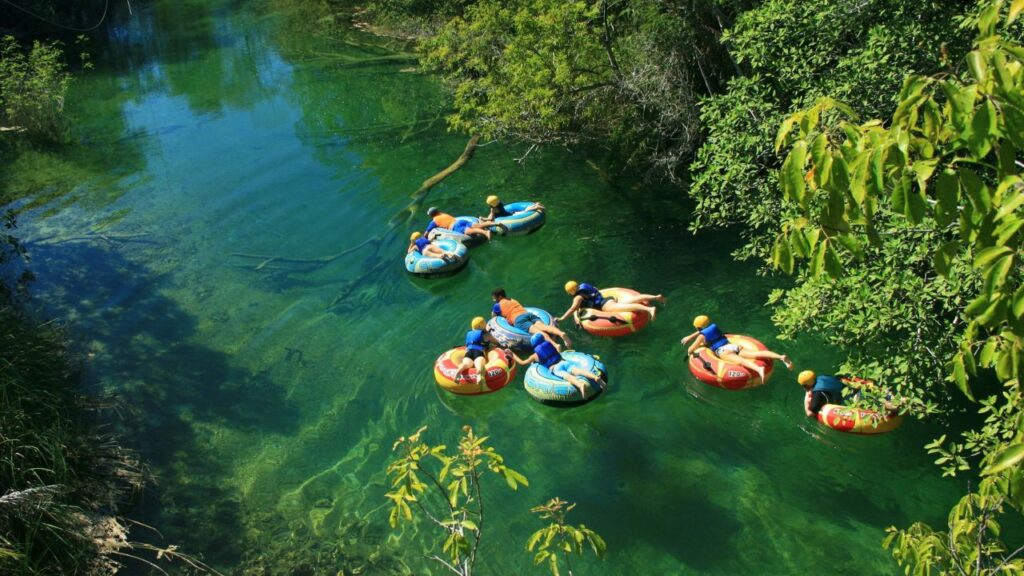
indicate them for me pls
(1007, 458)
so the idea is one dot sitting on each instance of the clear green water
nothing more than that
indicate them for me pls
(215, 127)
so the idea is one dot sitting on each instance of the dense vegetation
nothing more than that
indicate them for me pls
(901, 125)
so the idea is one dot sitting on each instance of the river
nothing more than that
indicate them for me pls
(266, 401)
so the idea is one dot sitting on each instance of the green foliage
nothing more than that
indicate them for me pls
(560, 540)
(925, 210)
(413, 17)
(972, 544)
(550, 72)
(447, 490)
(792, 53)
(33, 84)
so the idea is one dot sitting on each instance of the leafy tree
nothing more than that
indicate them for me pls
(33, 84)
(447, 490)
(559, 539)
(925, 211)
(790, 53)
(619, 73)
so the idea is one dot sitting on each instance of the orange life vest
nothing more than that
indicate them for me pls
(444, 221)
(511, 309)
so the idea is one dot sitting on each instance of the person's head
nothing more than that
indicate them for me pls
(498, 294)
(478, 323)
(535, 340)
(433, 211)
(570, 287)
(806, 378)
(701, 322)
(493, 200)
(415, 236)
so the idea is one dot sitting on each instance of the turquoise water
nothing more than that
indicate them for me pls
(267, 400)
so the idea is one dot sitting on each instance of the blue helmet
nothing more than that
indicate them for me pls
(536, 339)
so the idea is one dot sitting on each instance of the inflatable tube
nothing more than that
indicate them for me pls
(522, 222)
(500, 368)
(597, 323)
(508, 336)
(711, 369)
(547, 388)
(469, 240)
(430, 267)
(858, 420)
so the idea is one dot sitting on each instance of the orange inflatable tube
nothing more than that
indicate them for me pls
(597, 322)
(712, 370)
(500, 370)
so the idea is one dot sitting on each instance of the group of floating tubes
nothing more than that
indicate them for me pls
(615, 324)
(428, 266)
(541, 383)
(520, 223)
(712, 370)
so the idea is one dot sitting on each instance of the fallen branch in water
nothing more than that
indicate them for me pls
(90, 236)
(269, 261)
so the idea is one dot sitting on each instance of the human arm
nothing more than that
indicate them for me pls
(689, 337)
(529, 359)
(697, 343)
(807, 404)
(576, 302)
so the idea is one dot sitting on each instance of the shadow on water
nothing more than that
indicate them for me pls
(175, 390)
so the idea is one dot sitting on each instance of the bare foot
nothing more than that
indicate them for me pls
(785, 360)
(760, 372)
(660, 298)
(653, 312)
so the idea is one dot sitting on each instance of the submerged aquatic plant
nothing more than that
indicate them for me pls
(559, 539)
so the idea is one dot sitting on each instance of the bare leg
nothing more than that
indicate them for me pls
(481, 371)
(766, 355)
(745, 362)
(595, 376)
(465, 365)
(619, 306)
(576, 381)
(550, 331)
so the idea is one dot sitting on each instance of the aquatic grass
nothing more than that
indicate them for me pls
(62, 477)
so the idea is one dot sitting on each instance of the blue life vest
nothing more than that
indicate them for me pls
(430, 227)
(592, 297)
(475, 340)
(831, 386)
(421, 243)
(713, 337)
(547, 354)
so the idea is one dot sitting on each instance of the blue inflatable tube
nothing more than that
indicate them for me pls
(522, 221)
(431, 267)
(508, 336)
(470, 240)
(548, 388)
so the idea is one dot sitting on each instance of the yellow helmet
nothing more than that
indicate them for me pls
(806, 378)
(701, 322)
(493, 200)
(571, 286)
(415, 236)
(478, 323)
